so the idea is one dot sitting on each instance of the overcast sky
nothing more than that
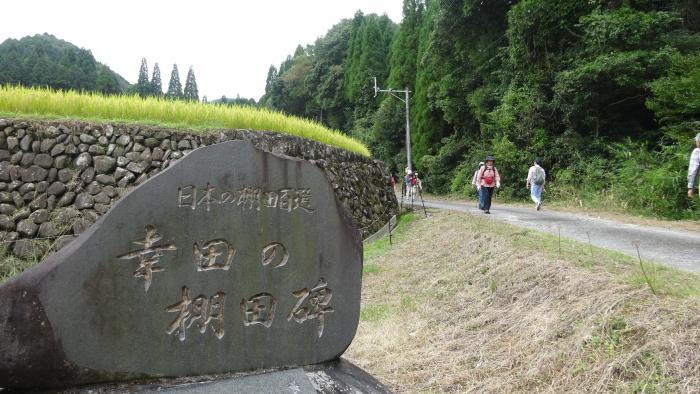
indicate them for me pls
(231, 44)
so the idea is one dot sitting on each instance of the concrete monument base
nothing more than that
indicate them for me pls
(339, 376)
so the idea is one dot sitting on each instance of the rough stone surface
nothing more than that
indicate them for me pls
(27, 227)
(7, 209)
(39, 216)
(105, 179)
(66, 199)
(84, 201)
(33, 174)
(6, 223)
(175, 255)
(83, 161)
(24, 249)
(80, 225)
(105, 164)
(88, 175)
(64, 240)
(65, 175)
(56, 189)
(49, 230)
(43, 160)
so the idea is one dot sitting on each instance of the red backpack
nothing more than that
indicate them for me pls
(489, 179)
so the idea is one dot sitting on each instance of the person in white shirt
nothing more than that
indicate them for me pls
(693, 166)
(535, 182)
(478, 195)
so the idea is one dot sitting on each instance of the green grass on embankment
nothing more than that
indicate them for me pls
(46, 103)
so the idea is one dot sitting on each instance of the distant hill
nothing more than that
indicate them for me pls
(44, 60)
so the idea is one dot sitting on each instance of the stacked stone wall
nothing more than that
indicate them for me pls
(58, 177)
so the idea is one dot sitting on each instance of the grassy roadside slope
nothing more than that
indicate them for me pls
(468, 304)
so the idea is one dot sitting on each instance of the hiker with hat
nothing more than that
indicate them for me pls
(535, 182)
(693, 166)
(486, 180)
(476, 187)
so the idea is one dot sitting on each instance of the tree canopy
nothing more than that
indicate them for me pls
(44, 60)
(574, 82)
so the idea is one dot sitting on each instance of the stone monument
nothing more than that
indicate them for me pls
(232, 260)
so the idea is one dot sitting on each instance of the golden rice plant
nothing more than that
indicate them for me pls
(45, 102)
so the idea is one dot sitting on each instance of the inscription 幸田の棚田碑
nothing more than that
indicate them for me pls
(250, 198)
(218, 254)
(148, 256)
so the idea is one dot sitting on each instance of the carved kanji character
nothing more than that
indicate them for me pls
(250, 198)
(216, 254)
(215, 316)
(286, 200)
(318, 299)
(187, 197)
(207, 199)
(258, 309)
(201, 310)
(148, 256)
(271, 199)
(302, 200)
(182, 308)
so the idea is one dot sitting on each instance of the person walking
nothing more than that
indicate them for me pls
(487, 179)
(535, 182)
(693, 166)
(476, 187)
(406, 181)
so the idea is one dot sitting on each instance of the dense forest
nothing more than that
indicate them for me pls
(607, 92)
(44, 60)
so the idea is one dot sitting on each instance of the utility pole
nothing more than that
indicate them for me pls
(408, 118)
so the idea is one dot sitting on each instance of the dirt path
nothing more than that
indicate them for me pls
(680, 249)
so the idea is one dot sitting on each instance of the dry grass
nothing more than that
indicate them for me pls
(464, 310)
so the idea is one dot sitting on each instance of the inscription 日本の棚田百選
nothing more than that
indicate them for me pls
(249, 197)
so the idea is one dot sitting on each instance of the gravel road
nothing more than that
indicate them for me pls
(676, 248)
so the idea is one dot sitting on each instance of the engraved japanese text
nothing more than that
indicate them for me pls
(148, 256)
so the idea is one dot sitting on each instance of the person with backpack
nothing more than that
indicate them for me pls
(487, 180)
(693, 166)
(535, 182)
(406, 181)
(478, 194)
